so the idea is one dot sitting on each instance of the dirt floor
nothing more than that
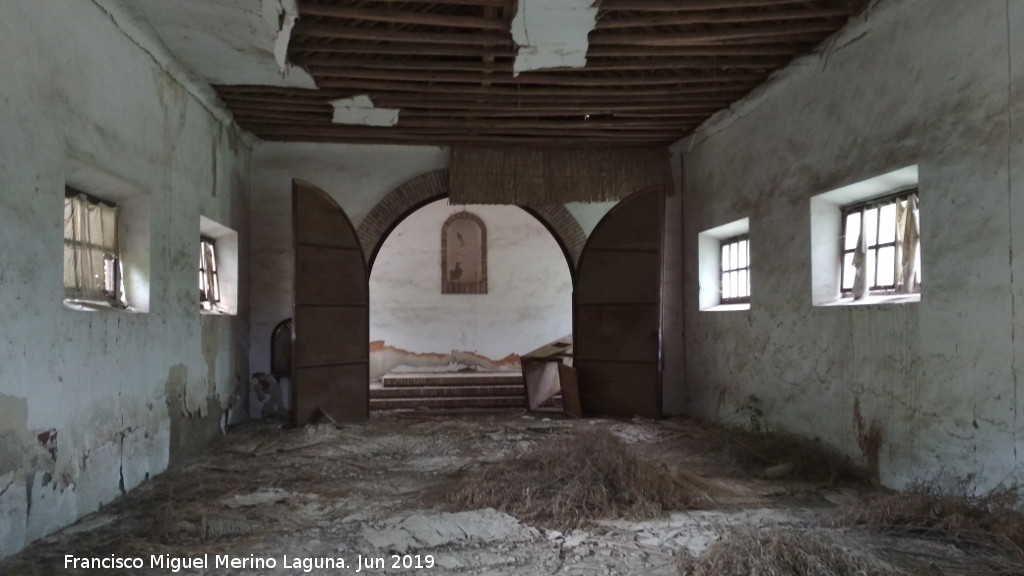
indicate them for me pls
(376, 497)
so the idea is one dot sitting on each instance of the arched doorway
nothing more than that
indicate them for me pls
(417, 326)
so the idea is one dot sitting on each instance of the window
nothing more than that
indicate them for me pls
(209, 284)
(93, 274)
(735, 285)
(218, 268)
(881, 250)
(872, 226)
(723, 267)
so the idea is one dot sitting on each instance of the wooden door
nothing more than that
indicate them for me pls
(331, 353)
(617, 311)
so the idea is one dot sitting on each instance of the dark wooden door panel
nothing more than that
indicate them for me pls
(331, 355)
(617, 311)
(637, 226)
(322, 342)
(627, 332)
(627, 277)
(619, 389)
(322, 269)
(341, 392)
(323, 221)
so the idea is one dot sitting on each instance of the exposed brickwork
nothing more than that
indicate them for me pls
(434, 185)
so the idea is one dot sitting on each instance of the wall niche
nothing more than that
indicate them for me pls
(464, 254)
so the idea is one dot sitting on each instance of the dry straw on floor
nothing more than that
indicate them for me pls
(803, 459)
(590, 474)
(783, 552)
(992, 524)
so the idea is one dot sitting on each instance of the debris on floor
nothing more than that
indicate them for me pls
(502, 493)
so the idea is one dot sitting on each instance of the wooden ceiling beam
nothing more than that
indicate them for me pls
(619, 141)
(690, 18)
(355, 86)
(496, 3)
(497, 105)
(399, 133)
(306, 31)
(513, 126)
(593, 65)
(301, 49)
(506, 97)
(404, 17)
(689, 5)
(709, 36)
(539, 79)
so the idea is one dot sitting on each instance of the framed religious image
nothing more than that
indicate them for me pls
(464, 254)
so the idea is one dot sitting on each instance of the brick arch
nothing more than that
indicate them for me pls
(426, 188)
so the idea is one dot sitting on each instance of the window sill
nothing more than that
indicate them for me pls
(878, 299)
(205, 312)
(95, 306)
(728, 307)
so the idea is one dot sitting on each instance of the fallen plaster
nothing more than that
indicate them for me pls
(385, 358)
(360, 111)
(552, 34)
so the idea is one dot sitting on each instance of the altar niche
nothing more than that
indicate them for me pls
(464, 254)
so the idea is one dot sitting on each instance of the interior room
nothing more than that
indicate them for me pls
(705, 224)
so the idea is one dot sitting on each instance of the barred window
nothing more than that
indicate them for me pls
(209, 283)
(881, 248)
(735, 276)
(92, 262)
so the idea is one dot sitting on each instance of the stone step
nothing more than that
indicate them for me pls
(467, 379)
(448, 402)
(450, 390)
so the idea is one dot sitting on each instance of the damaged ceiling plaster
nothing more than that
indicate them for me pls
(359, 110)
(552, 34)
(208, 39)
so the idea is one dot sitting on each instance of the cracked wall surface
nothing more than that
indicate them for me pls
(93, 403)
(926, 391)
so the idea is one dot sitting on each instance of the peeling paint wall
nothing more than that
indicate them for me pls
(528, 301)
(91, 404)
(925, 391)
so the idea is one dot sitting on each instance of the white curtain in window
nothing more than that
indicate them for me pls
(907, 238)
(860, 263)
(90, 251)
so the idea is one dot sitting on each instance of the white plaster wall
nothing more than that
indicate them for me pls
(356, 176)
(938, 83)
(672, 303)
(123, 391)
(527, 305)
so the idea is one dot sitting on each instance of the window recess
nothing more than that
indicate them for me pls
(880, 251)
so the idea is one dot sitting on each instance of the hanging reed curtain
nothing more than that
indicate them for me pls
(542, 176)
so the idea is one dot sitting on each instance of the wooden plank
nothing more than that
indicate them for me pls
(330, 311)
(706, 36)
(403, 17)
(304, 32)
(746, 17)
(689, 5)
(322, 73)
(322, 269)
(505, 67)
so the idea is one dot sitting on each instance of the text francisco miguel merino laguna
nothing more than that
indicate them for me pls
(176, 564)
